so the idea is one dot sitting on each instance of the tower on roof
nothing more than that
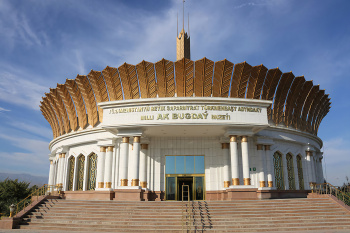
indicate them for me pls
(183, 44)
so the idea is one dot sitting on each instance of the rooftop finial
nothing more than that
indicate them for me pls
(183, 15)
(183, 39)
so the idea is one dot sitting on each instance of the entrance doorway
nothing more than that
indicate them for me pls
(174, 185)
(187, 193)
(184, 170)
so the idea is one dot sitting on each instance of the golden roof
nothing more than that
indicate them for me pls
(296, 103)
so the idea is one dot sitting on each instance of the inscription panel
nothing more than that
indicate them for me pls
(184, 113)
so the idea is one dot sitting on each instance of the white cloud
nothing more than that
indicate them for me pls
(32, 129)
(16, 90)
(35, 161)
(3, 110)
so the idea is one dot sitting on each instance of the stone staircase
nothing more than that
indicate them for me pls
(214, 216)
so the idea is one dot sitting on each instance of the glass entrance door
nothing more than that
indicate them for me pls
(185, 181)
(184, 170)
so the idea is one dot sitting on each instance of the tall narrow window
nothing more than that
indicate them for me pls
(300, 172)
(278, 169)
(290, 169)
(81, 164)
(71, 173)
(92, 171)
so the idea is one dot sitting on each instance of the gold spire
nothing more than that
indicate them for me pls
(183, 49)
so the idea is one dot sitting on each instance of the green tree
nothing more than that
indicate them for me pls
(11, 192)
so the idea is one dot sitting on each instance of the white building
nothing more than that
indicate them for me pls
(228, 131)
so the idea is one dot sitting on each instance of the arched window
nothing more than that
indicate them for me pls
(278, 168)
(71, 163)
(290, 169)
(80, 180)
(300, 172)
(92, 171)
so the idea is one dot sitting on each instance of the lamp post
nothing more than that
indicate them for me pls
(12, 210)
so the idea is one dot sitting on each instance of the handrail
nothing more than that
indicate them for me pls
(327, 188)
(44, 190)
(186, 215)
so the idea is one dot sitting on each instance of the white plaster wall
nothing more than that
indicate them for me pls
(283, 141)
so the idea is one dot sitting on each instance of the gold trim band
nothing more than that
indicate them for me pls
(259, 147)
(100, 185)
(124, 182)
(246, 181)
(244, 139)
(270, 184)
(108, 185)
(110, 148)
(267, 147)
(262, 184)
(51, 162)
(143, 184)
(135, 182)
(125, 140)
(137, 139)
(233, 138)
(144, 146)
(225, 145)
(235, 181)
(227, 184)
(102, 149)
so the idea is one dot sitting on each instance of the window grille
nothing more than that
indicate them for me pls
(278, 169)
(92, 172)
(300, 172)
(71, 173)
(290, 169)
(81, 163)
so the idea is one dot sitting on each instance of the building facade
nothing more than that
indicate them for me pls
(141, 132)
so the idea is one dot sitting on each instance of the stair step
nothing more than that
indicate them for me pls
(214, 216)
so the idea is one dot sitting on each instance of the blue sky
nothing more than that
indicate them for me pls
(44, 42)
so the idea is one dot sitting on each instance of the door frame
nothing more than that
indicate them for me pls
(193, 185)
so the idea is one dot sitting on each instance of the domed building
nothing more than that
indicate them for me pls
(228, 131)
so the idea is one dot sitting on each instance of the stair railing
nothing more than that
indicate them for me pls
(186, 209)
(44, 190)
(341, 193)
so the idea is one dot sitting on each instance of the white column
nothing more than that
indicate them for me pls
(55, 165)
(108, 168)
(245, 160)
(117, 157)
(309, 166)
(123, 167)
(86, 165)
(226, 155)
(135, 156)
(75, 178)
(59, 163)
(262, 169)
(51, 176)
(270, 168)
(296, 177)
(62, 159)
(65, 172)
(313, 169)
(285, 172)
(100, 167)
(113, 169)
(321, 181)
(143, 165)
(58, 169)
(234, 160)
